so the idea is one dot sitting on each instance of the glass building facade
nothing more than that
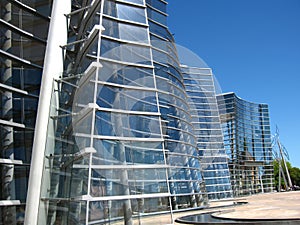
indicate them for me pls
(201, 92)
(120, 144)
(121, 130)
(23, 37)
(247, 140)
(184, 172)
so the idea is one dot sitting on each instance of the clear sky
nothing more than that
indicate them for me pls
(253, 47)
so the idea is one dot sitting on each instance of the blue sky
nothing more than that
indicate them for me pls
(253, 47)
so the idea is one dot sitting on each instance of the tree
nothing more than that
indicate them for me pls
(293, 171)
(295, 175)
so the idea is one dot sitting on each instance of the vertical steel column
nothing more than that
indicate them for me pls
(53, 67)
(285, 165)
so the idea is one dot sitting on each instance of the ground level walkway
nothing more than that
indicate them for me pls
(270, 206)
(284, 205)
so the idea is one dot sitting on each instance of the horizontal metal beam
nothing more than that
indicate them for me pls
(11, 124)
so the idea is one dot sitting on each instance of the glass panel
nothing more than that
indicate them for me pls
(114, 124)
(157, 29)
(22, 76)
(21, 144)
(126, 99)
(131, 13)
(76, 212)
(42, 6)
(125, 31)
(115, 182)
(125, 12)
(79, 182)
(126, 75)
(82, 125)
(157, 4)
(14, 182)
(156, 16)
(107, 211)
(125, 52)
(13, 213)
(24, 48)
(109, 153)
(36, 25)
(136, 1)
(84, 94)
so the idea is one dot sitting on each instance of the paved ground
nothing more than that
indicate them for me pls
(284, 205)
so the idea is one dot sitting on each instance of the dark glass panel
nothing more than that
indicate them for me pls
(26, 20)
(21, 145)
(23, 47)
(42, 6)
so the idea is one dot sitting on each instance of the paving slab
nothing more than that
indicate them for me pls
(271, 206)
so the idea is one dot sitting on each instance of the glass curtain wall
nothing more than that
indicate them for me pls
(109, 160)
(23, 36)
(200, 88)
(247, 140)
(185, 177)
(120, 140)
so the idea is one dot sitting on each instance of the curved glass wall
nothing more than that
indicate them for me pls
(207, 128)
(122, 142)
(185, 177)
(247, 140)
(23, 36)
